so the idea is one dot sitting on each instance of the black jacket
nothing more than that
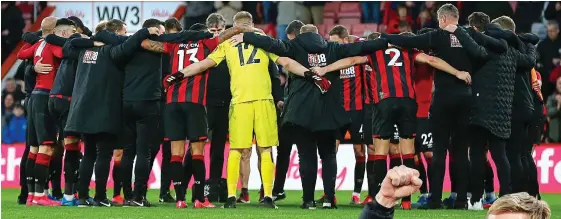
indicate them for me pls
(306, 106)
(493, 84)
(218, 86)
(64, 79)
(143, 78)
(523, 92)
(373, 210)
(96, 104)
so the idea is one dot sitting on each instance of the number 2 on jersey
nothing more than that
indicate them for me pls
(251, 59)
(192, 57)
(393, 61)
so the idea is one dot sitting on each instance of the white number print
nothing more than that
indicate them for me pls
(192, 57)
(427, 139)
(393, 61)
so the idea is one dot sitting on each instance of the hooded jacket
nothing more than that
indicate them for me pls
(493, 83)
(305, 105)
(96, 104)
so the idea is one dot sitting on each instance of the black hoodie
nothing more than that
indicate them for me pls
(305, 105)
(97, 96)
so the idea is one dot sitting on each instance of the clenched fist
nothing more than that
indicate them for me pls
(399, 182)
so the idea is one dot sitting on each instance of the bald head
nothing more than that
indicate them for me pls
(309, 28)
(48, 25)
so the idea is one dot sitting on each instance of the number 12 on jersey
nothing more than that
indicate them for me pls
(251, 59)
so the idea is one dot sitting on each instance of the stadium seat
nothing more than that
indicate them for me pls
(349, 13)
(362, 30)
(330, 12)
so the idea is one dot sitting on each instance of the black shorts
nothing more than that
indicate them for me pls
(185, 121)
(395, 137)
(423, 140)
(357, 119)
(42, 129)
(369, 110)
(399, 111)
(59, 108)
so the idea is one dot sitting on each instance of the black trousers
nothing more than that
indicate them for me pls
(309, 145)
(98, 149)
(480, 138)
(218, 129)
(534, 136)
(518, 142)
(449, 117)
(283, 159)
(22, 175)
(139, 138)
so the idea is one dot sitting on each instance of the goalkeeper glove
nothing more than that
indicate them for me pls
(322, 83)
(172, 79)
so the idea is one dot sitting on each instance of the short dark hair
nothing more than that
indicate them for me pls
(198, 27)
(114, 25)
(18, 105)
(152, 22)
(478, 20)
(64, 21)
(77, 22)
(340, 31)
(425, 30)
(172, 23)
(373, 36)
(294, 27)
(505, 22)
(448, 9)
(215, 19)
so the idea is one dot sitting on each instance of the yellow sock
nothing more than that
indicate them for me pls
(234, 158)
(267, 173)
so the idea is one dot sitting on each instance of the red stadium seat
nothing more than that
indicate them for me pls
(349, 10)
(330, 12)
(363, 29)
(349, 21)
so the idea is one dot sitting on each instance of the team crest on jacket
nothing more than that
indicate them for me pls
(317, 60)
(454, 42)
(90, 57)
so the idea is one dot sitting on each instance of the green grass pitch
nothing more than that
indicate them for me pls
(288, 208)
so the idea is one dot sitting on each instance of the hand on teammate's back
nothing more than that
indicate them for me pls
(41, 68)
(318, 70)
(237, 39)
(464, 76)
(399, 182)
(322, 83)
(154, 31)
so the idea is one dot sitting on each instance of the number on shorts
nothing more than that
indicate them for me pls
(427, 139)
(393, 61)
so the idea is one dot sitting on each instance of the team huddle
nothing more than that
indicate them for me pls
(123, 96)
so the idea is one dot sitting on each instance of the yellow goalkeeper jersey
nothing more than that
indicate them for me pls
(249, 70)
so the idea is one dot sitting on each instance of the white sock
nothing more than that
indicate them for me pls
(68, 197)
(39, 194)
(356, 194)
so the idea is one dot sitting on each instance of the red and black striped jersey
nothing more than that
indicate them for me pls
(368, 84)
(352, 89)
(190, 89)
(392, 69)
(423, 79)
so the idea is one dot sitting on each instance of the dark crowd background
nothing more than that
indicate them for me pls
(362, 18)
